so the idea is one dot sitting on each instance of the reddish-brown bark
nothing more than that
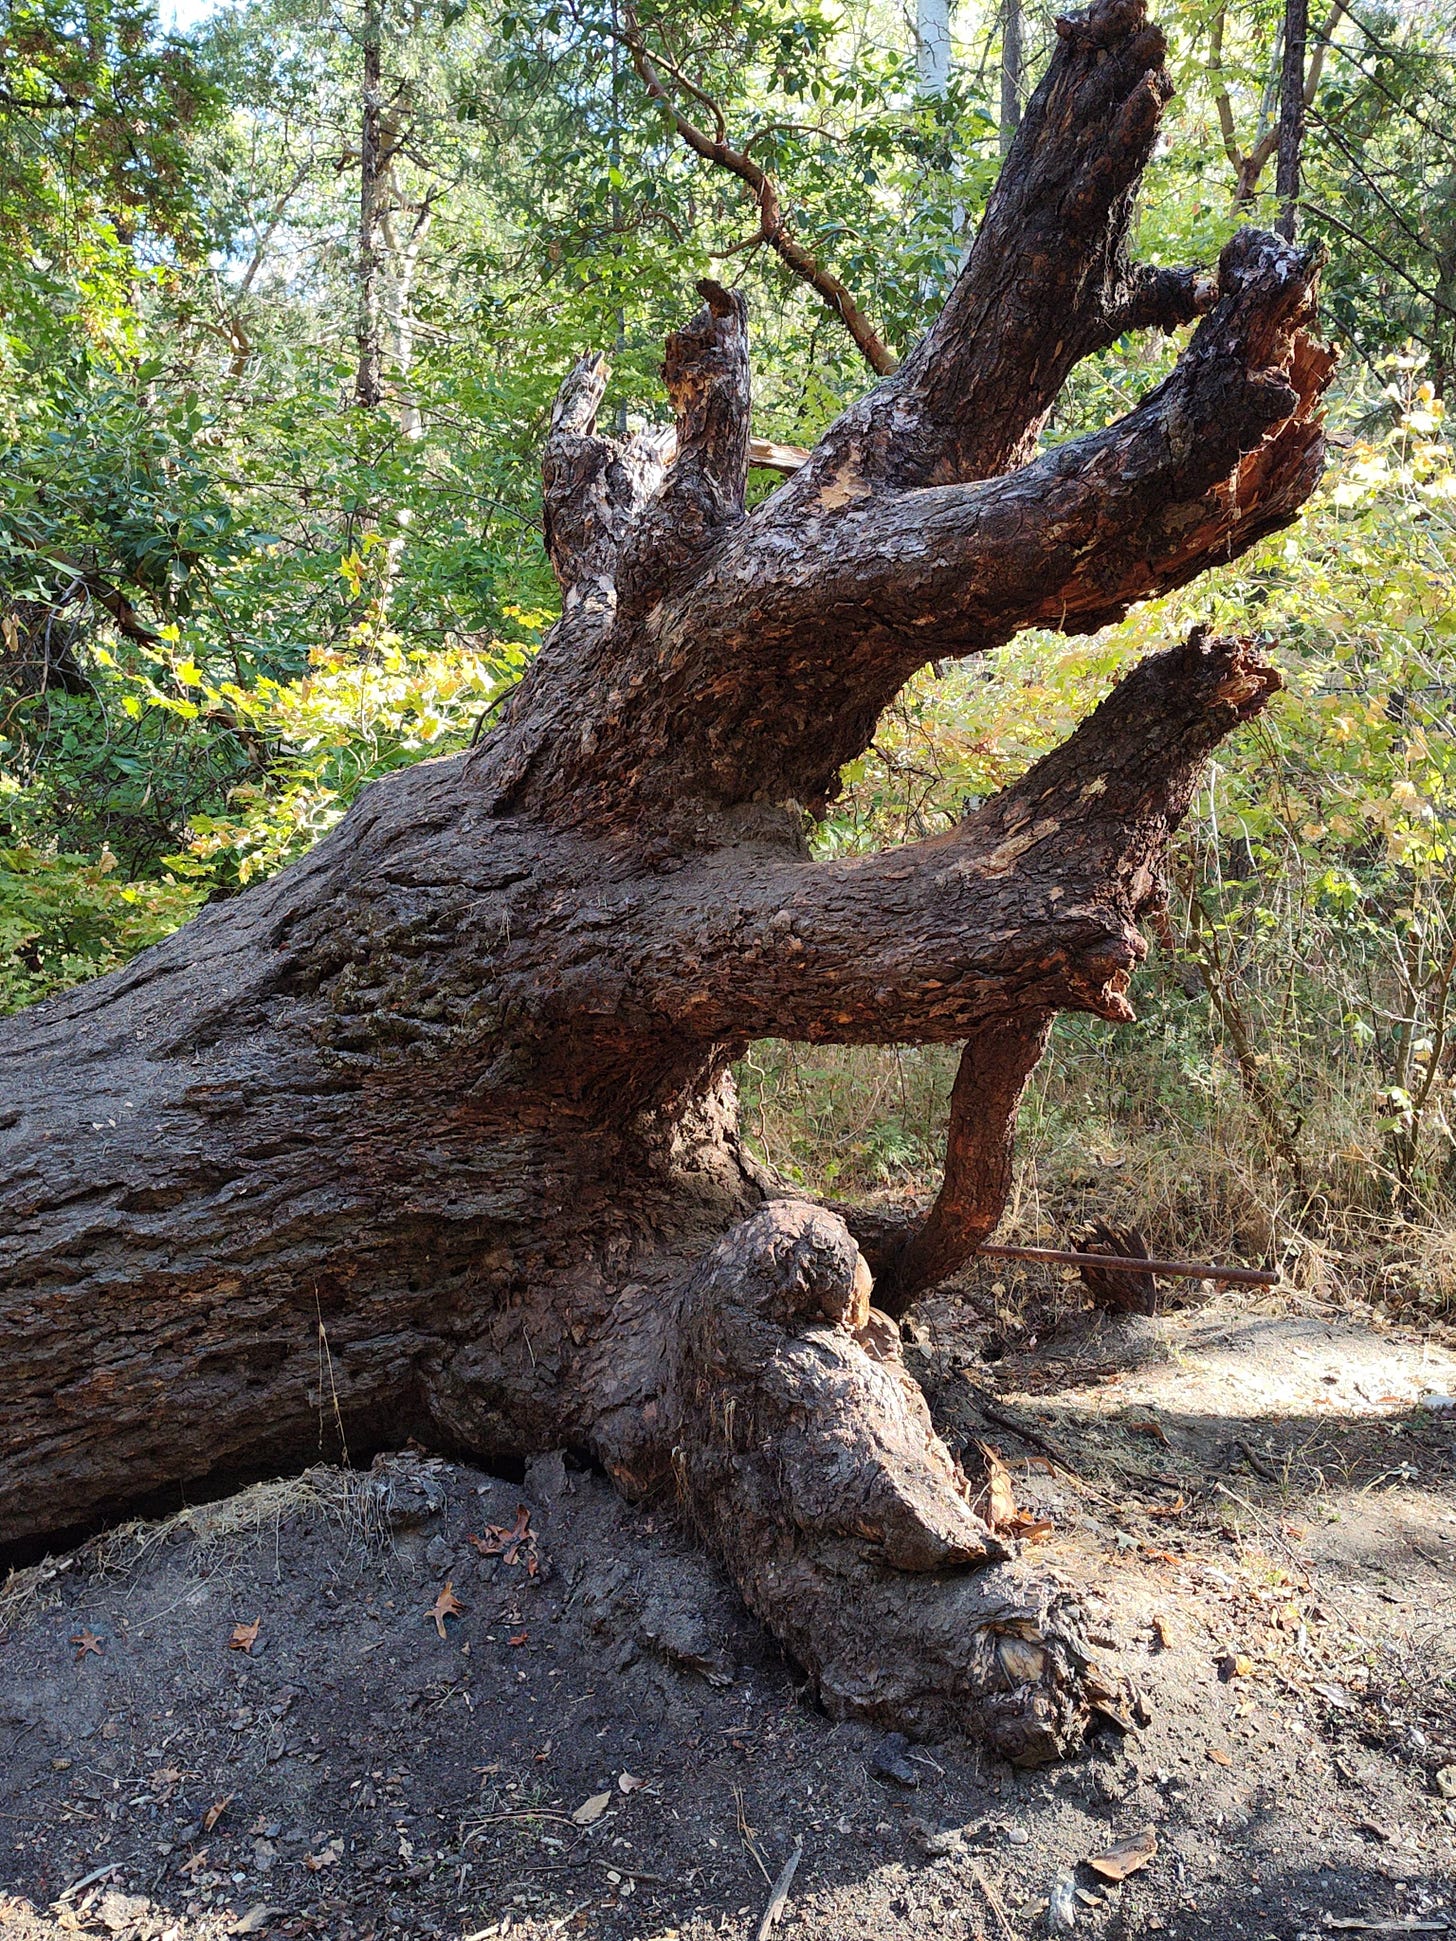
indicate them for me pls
(434, 1133)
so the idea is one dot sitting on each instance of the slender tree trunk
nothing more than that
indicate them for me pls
(434, 1133)
(368, 381)
(1011, 64)
(404, 255)
(1291, 115)
(932, 45)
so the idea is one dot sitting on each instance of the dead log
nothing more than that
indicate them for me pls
(434, 1133)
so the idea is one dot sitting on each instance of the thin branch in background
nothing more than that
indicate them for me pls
(773, 227)
(1328, 128)
(1326, 215)
(1402, 107)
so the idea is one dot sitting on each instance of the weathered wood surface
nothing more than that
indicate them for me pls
(434, 1133)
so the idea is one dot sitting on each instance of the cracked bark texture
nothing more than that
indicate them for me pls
(434, 1134)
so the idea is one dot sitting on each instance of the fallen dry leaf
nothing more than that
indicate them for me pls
(88, 1641)
(331, 1854)
(1001, 1508)
(519, 1638)
(1149, 1428)
(501, 1541)
(1219, 1756)
(1030, 1529)
(215, 1812)
(1125, 1856)
(1337, 1696)
(447, 1604)
(245, 1636)
(1168, 1509)
(256, 1918)
(591, 1810)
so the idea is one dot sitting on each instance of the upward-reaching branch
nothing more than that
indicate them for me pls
(707, 377)
(593, 487)
(1048, 280)
(809, 617)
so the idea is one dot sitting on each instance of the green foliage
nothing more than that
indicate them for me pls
(364, 708)
(64, 919)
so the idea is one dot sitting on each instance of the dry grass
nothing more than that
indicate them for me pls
(1149, 1129)
(343, 1496)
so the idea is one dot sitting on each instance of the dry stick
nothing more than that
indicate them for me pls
(1199, 1270)
(779, 1899)
(97, 1873)
(993, 1897)
(1054, 1455)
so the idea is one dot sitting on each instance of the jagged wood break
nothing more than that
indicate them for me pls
(434, 1133)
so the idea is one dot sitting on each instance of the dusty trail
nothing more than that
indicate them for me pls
(1289, 1634)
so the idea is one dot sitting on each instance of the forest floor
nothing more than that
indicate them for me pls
(260, 1717)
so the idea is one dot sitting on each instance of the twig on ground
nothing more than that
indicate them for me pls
(779, 1899)
(1260, 1465)
(1031, 1437)
(1053, 1454)
(746, 1835)
(96, 1873)
(994, 1901)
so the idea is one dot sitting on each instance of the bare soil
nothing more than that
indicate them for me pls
(1258, 1498)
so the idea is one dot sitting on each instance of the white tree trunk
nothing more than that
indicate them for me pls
(932, 45)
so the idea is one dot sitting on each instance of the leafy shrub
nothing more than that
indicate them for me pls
(64, 919)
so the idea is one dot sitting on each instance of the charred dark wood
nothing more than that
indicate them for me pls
(1120, 1291)
(434, 1134)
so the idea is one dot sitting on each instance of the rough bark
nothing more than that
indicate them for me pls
(433, 1134)
(369, 371)
(1291, 115)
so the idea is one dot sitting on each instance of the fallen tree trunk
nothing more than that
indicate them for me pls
(434, 1134)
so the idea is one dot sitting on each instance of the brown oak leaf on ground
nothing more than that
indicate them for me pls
(515, 1543)
(447, 1604)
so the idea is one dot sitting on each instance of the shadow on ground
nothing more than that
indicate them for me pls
(599, 1742)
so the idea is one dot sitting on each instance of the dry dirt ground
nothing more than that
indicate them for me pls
(261, 1716)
